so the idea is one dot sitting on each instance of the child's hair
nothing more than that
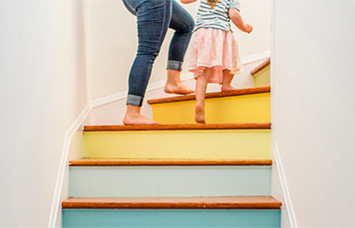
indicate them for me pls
(212, 3)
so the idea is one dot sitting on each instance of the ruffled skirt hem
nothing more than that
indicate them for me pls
(216, 49)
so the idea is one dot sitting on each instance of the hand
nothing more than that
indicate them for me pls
(248, 28)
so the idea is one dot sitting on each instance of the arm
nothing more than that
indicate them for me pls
(188, 1)
(238, 21)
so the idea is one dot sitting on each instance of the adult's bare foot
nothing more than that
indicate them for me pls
(174, 84)
(199, 113)
(137, 119)
(134, 116)
(227, 88)
(177, 88)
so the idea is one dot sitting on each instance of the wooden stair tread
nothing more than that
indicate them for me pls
(237, 92)
(146, 162)
(179, 127)
(233, 202)
(261, 66)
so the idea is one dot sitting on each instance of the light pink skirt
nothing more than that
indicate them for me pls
(216, 49)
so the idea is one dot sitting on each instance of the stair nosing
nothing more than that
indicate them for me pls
(161, 162)
(238, 92)
(147, 127)
(237, 202)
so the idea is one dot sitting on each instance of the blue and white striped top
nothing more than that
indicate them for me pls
(218, 16)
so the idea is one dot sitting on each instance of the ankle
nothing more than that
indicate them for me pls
(200, 103)
(173, 76)
(173, 81)
(133, 110)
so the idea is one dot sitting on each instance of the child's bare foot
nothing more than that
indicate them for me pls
(177, 88)
(199, 113)
(227, 88)
(137, 119)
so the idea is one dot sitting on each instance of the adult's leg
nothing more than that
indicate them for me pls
(183, 24)
(153, 19)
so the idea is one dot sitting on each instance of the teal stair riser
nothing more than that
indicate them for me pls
(170, 181)
(170, 218)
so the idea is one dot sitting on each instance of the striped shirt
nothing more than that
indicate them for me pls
(217, 17)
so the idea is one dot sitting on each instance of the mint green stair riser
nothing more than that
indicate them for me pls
(170, 218)
(174, 181)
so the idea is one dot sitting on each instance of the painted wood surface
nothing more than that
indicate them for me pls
(179, 144)
(180, 181)
(170, 218)
(239, 92)
(153, 162)
(231, 202)
(262, 74)
(263, 65)
(157, 127)
(232, 109)
(262, 78)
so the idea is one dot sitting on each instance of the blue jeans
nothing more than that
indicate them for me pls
(154, 17)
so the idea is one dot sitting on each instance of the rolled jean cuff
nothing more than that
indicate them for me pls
(134, 100)
(174, 65)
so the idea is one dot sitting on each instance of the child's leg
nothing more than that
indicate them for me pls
(227, 79)
(201, 86)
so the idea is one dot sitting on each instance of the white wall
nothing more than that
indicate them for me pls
(43, 90)
(114, 43)
(313, 108)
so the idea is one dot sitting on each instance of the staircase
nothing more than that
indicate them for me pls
(179, 174)
(261, 74)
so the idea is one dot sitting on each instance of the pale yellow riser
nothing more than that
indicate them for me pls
(235, 109)
(182, 144)
(262, 78)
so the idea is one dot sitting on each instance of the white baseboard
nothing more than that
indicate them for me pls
(63, 164)
(284, 187)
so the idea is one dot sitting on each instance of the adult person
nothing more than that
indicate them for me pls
(154, 17)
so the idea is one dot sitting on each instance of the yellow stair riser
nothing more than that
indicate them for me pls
(236, 109)
(262, 78)
(179, 144)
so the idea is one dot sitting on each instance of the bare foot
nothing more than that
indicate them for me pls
(174, 84)
(137, 119)
(177, 88)
(199, 113)
(227, 88)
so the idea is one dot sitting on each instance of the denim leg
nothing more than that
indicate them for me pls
(183, 24)
(153, 19)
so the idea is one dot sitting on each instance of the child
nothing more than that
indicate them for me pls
(214, 50)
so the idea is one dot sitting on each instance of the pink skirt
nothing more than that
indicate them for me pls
(216, 49)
